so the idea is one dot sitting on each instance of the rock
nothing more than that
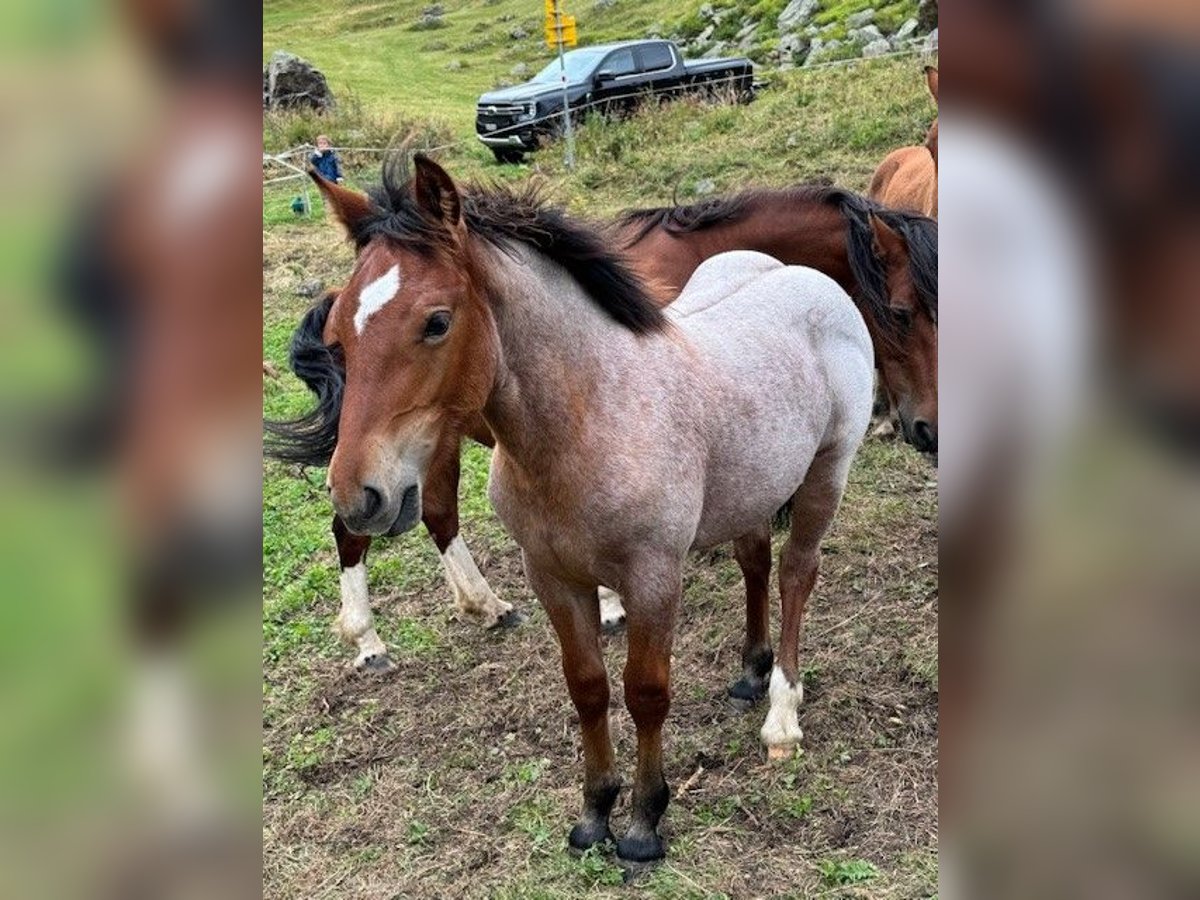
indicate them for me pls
(859, 19)
(796, 14)
(428, 22)
(931, 42)
(454, 65)
(518, 34)
(927, 16)
(435, 9)
(603, 4)
(520, 70)
(864, 35)
(290, 82)
(704, 36)
(746, 31)
(905, 31)
(820, 51)
(792, 46)
(706, 11)
(704, 186)
(313, 287)
(715, 50)
(880, 47)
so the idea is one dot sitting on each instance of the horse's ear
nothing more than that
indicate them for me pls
(888, 244)
(350, 207)
(436, 192)
(931, 78)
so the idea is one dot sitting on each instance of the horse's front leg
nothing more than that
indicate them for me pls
(574, 612)
(439, 512)
(355, 624)
(651, 600)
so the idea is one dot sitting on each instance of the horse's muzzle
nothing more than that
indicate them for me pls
(378, 513)
(410, 511)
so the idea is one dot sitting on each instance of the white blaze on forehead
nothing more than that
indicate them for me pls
(375, 296)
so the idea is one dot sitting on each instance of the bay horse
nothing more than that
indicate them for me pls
(626, 436)
(907, 177)
(885, 259)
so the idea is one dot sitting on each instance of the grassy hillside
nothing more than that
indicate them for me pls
(377, 51)
(831, 123)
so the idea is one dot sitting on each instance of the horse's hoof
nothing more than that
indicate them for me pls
(641, 848)
(614, 626)
(511, 619)
(781, 752)
(744, 693)
(375, 664)
(586, 835)
(885, 431)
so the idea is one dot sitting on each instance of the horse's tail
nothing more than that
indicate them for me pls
(311, 438)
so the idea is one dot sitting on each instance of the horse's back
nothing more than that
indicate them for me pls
(720, 277)
(745, 295)
(907, 179)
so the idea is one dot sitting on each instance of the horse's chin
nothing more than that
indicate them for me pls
(409, 514)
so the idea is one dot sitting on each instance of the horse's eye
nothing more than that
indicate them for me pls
(437, 325)
(902, 317)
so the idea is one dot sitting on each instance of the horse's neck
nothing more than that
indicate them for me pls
(796, 233)
(556, 346)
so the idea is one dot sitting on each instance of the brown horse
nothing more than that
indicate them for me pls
(907, 178)
(886, 260)
(625, 438)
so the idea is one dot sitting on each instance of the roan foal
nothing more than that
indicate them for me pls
(625, 436)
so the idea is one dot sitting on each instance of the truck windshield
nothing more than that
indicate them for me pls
(579, 65)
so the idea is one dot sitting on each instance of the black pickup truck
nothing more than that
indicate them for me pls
(605, 79)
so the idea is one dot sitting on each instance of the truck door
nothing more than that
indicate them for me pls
(616, 81)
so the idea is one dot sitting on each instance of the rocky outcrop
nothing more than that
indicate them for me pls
(290, 82)
(802, 40)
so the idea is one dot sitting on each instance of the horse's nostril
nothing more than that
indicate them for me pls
(372, 502)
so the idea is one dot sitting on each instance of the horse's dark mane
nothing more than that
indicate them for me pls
(499, 215)
(918, 232)
(310, 439)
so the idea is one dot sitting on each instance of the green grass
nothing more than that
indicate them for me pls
(370, 52)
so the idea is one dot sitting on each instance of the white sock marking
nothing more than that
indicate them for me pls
(782, 727)
(471, 591)
(375, 296)
(355, 623)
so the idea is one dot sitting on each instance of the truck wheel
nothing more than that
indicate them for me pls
(505, 156)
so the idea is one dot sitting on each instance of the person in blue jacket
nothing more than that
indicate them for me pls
(325, 161)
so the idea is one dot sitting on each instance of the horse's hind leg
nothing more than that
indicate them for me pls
(439, 512)
(355, 624)
(813, 508)
(753, 554)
